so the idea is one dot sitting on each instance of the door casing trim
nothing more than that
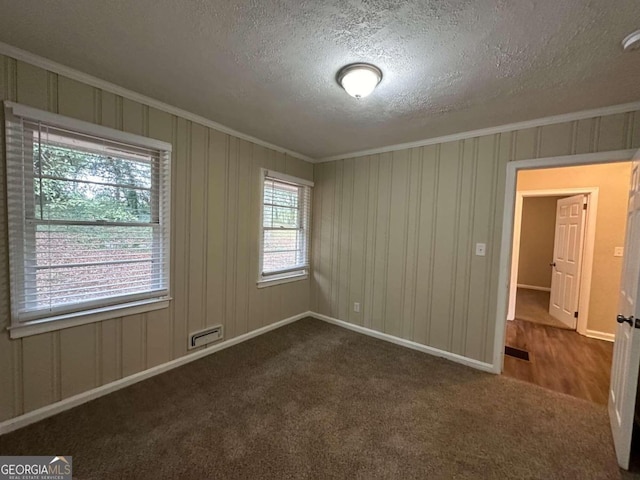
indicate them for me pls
(506, 242)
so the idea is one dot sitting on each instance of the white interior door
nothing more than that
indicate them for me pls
(626, 350)
(567, 259)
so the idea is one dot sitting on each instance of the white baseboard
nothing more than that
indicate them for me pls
(68, 403)
(469, 362)
(533, 287)
(609, 337)
(84, 397)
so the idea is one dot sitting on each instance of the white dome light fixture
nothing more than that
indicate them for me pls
(631, 42)
(359, 79)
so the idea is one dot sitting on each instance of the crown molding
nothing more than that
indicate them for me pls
(55, 67)
(38, 61)
(509, 127)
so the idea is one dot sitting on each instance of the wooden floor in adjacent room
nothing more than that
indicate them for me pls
(560, 360)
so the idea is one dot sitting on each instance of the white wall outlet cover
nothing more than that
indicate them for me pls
(618, 251)
(481, 249)
(356, 307)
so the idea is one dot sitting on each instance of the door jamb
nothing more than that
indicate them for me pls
(506, 242)
(587, 256)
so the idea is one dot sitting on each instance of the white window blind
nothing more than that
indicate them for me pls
(88, 216)
(286, 216)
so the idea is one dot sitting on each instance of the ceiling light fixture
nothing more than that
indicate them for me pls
(631, 42)
(359, 79)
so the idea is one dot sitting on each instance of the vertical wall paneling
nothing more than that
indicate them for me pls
(396, 250)
(77, 359)
(38, 381)
(526, 144)
(216, 226)
(465, 248)
(336, 288)
(132, 337)
(584, 136)
(214, 234)
(325, 236)
(612, 132)
(110, 350)
(556, 140)
(426, 251)
(412, 245)
(180, 226)
(31, 86)
(76, 99)
(505, 154)
(414, 219)
(256, 295)
(478, 302)
(357, 238)
(231, 230)
(445, 245)
(343, 304)
(316, 228)
(197, 229)
(243, 219)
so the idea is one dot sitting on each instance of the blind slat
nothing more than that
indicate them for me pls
(286, 213)
(78, 208)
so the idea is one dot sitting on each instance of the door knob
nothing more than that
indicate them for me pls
(623, 319)
(552, 264)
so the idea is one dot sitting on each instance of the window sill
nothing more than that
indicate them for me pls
(89, 316)
(281, 280)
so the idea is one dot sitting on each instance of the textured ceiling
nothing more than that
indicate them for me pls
(267, 68)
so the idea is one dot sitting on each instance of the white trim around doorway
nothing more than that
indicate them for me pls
(587, 258)
(504, 271)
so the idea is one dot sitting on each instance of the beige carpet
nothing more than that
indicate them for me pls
(533, 306)
(311, 400)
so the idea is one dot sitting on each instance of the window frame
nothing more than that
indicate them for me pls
(92, 310)
(292, 275)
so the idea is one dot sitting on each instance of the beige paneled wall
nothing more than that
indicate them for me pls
(215, 182)
(536, 240)
(396, 232)
(613, 181)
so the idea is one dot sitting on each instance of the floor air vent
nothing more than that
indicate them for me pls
(516, 353)
(204, 337)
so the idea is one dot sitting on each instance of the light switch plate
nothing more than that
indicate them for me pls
(356, 307)
(481, 249)
(618, 251)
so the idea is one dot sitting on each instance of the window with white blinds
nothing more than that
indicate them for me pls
(88, 211)
(286, 217)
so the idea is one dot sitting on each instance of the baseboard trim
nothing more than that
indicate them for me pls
(469, 362)
(609, 337)
(68, 403)
(84, 397)
(533, 287)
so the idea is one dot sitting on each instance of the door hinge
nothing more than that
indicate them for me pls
(575, 314)
(584, 206)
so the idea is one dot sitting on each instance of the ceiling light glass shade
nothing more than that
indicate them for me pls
(359, 79)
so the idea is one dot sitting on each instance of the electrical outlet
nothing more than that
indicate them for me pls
(481, 249)
(356, 307)
(618, 251)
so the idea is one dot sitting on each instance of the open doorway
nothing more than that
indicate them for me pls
(568, 232)
(553, 239)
